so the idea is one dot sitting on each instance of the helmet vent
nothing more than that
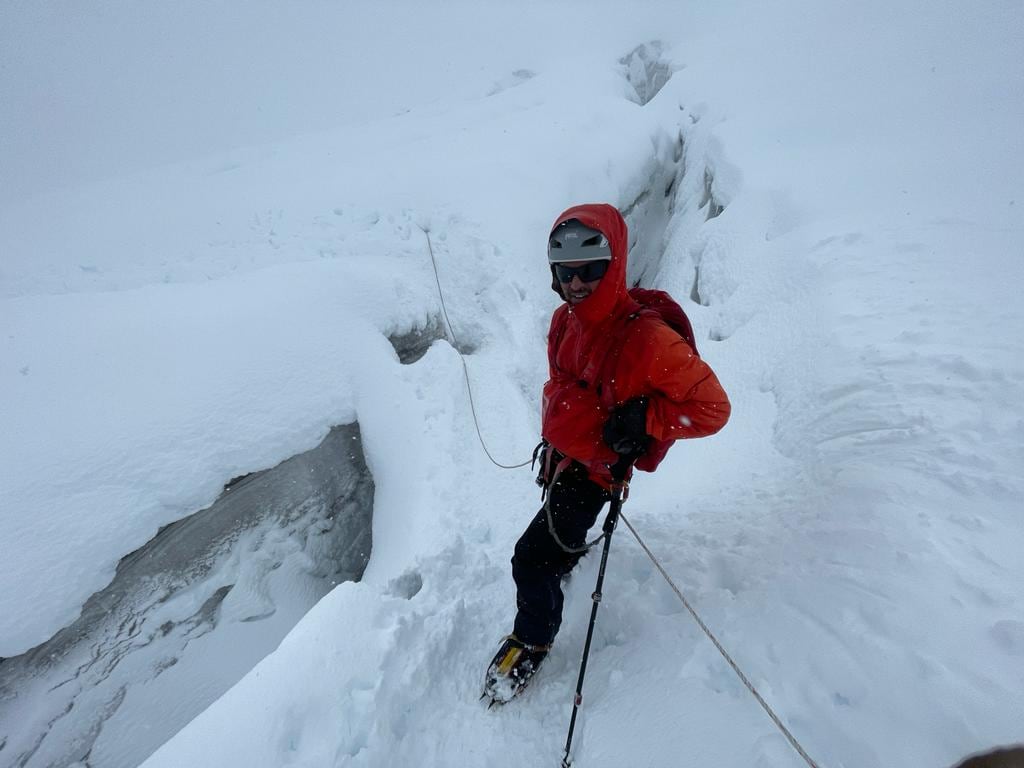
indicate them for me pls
(572, 240)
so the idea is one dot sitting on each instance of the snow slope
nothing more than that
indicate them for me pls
(201, 386)
(852, 535)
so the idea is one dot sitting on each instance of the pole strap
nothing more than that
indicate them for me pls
(725, 654)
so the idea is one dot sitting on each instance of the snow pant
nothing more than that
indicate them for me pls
(539, 562)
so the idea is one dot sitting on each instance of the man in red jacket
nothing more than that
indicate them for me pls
(623, 385)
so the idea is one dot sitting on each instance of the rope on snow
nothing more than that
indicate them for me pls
(465, 368)
(725, 654)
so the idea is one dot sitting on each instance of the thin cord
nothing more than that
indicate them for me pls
(750, 687)
(465, 368)
(587, 545)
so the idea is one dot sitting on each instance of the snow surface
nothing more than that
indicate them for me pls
(208, 234)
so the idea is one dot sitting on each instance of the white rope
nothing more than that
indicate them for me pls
(743, 678)
(465, 368)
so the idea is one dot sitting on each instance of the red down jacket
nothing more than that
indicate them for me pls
(638, 356)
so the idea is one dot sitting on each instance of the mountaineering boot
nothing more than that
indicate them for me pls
(511, 669)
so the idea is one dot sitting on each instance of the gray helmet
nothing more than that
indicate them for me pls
(574, 241)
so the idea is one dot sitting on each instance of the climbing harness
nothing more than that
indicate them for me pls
(552, 464)
(465, 368)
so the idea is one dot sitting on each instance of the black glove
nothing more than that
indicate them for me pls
(625, 432)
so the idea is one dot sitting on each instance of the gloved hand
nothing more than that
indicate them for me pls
(625, 432)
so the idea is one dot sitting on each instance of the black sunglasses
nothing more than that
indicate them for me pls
(588, 272)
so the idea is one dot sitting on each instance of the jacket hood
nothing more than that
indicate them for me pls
(611, 291)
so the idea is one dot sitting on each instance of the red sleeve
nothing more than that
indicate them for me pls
(688, 400)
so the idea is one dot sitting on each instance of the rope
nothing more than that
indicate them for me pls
(462, 359)
(587, 545)
(548, 492)
(743, 678)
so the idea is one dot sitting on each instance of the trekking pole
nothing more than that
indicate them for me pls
(609, 526)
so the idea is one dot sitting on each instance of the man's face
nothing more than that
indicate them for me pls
(578, 289)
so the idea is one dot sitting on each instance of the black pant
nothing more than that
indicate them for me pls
(539, 562)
